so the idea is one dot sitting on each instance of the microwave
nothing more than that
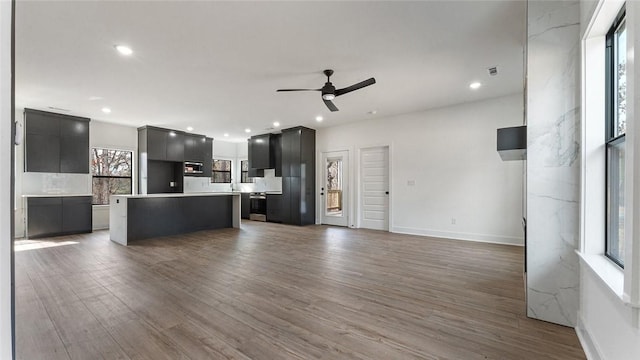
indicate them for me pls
(192, 167)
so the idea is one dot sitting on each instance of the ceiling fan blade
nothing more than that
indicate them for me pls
(330, 105)
(354, 87)
(299, 90)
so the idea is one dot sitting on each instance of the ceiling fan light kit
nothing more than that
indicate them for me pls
(329, 92)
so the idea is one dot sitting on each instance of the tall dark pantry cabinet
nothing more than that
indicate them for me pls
(298, 176)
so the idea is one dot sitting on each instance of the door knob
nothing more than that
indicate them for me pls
(386, 192)
(321, 194)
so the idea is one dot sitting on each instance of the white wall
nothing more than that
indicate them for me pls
(6, 146)
(451, 155)
(608, 328)
(118, 137)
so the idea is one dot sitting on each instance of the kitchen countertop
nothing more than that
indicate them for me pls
(144, 196)
(54, 195)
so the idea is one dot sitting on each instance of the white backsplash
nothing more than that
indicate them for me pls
(203, 184)
(36, 183)
(267, 183)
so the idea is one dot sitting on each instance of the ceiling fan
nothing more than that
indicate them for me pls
(329, 92)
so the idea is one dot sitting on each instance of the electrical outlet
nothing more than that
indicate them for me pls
(411, 183)
(453, 221)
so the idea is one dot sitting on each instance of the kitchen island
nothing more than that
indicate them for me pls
(137, 217)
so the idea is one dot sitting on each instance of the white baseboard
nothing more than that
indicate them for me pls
(495, 239)
(588, 345)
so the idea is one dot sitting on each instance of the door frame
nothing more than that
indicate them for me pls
(358, 182)
(347, 201)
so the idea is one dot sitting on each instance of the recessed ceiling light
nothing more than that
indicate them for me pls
(373, 112)
(276, 124)
(226, 135)
(94, 98)
(247, 130)
(106, 110)
(475, 85)
(189, 128)
(124, 50)
(319, 118)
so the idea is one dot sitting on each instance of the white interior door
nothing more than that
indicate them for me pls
(334, 188)
(374, 188)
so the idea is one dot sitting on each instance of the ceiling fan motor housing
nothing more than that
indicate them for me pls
(328, 89)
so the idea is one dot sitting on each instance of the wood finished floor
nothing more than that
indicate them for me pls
(270, 291)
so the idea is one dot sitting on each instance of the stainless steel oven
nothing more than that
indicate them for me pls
(258, 206)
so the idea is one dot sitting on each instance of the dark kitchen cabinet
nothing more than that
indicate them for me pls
(53, 216)
(194, 147)
(274, 205)
(207, 163)
(260, 152)
(298, 176)
(76, 214)
(199, 148)
(161, 144)
(253, 171)
(74, 146)
(156, 143)
(44, 216)
(276, 153)
(56, 143)
(42, 153)
(191, 148)
(245, 204)
(175, 146)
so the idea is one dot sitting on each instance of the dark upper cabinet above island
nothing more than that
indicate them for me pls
(161, 144)
(56, 143)
(162, 154)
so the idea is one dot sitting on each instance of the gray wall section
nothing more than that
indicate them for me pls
(164, 216)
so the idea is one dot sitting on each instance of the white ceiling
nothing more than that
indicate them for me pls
(216, 65)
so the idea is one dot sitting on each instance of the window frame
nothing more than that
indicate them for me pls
(612, 139)
(213, 171)
(112, 176)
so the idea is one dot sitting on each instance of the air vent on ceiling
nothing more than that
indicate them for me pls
(493, 71)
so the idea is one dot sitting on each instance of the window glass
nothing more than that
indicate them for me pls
(616, 118)
(112, 174)
(221, 171)
(244, 172)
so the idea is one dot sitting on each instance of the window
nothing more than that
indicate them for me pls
(221, 171)
(111, 170)
(244, 172)
(616, 120)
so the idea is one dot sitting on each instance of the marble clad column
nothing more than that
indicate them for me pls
(553, 160)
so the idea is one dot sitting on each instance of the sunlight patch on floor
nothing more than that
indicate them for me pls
(23, 245)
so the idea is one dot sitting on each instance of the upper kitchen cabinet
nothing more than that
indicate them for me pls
(207, 162)
(253, 171)
(56, 143)
(175, 146)
(276, 153)
(194, 147)
(74, 146)
(155, 141)
(260, 152)
(161, 144)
